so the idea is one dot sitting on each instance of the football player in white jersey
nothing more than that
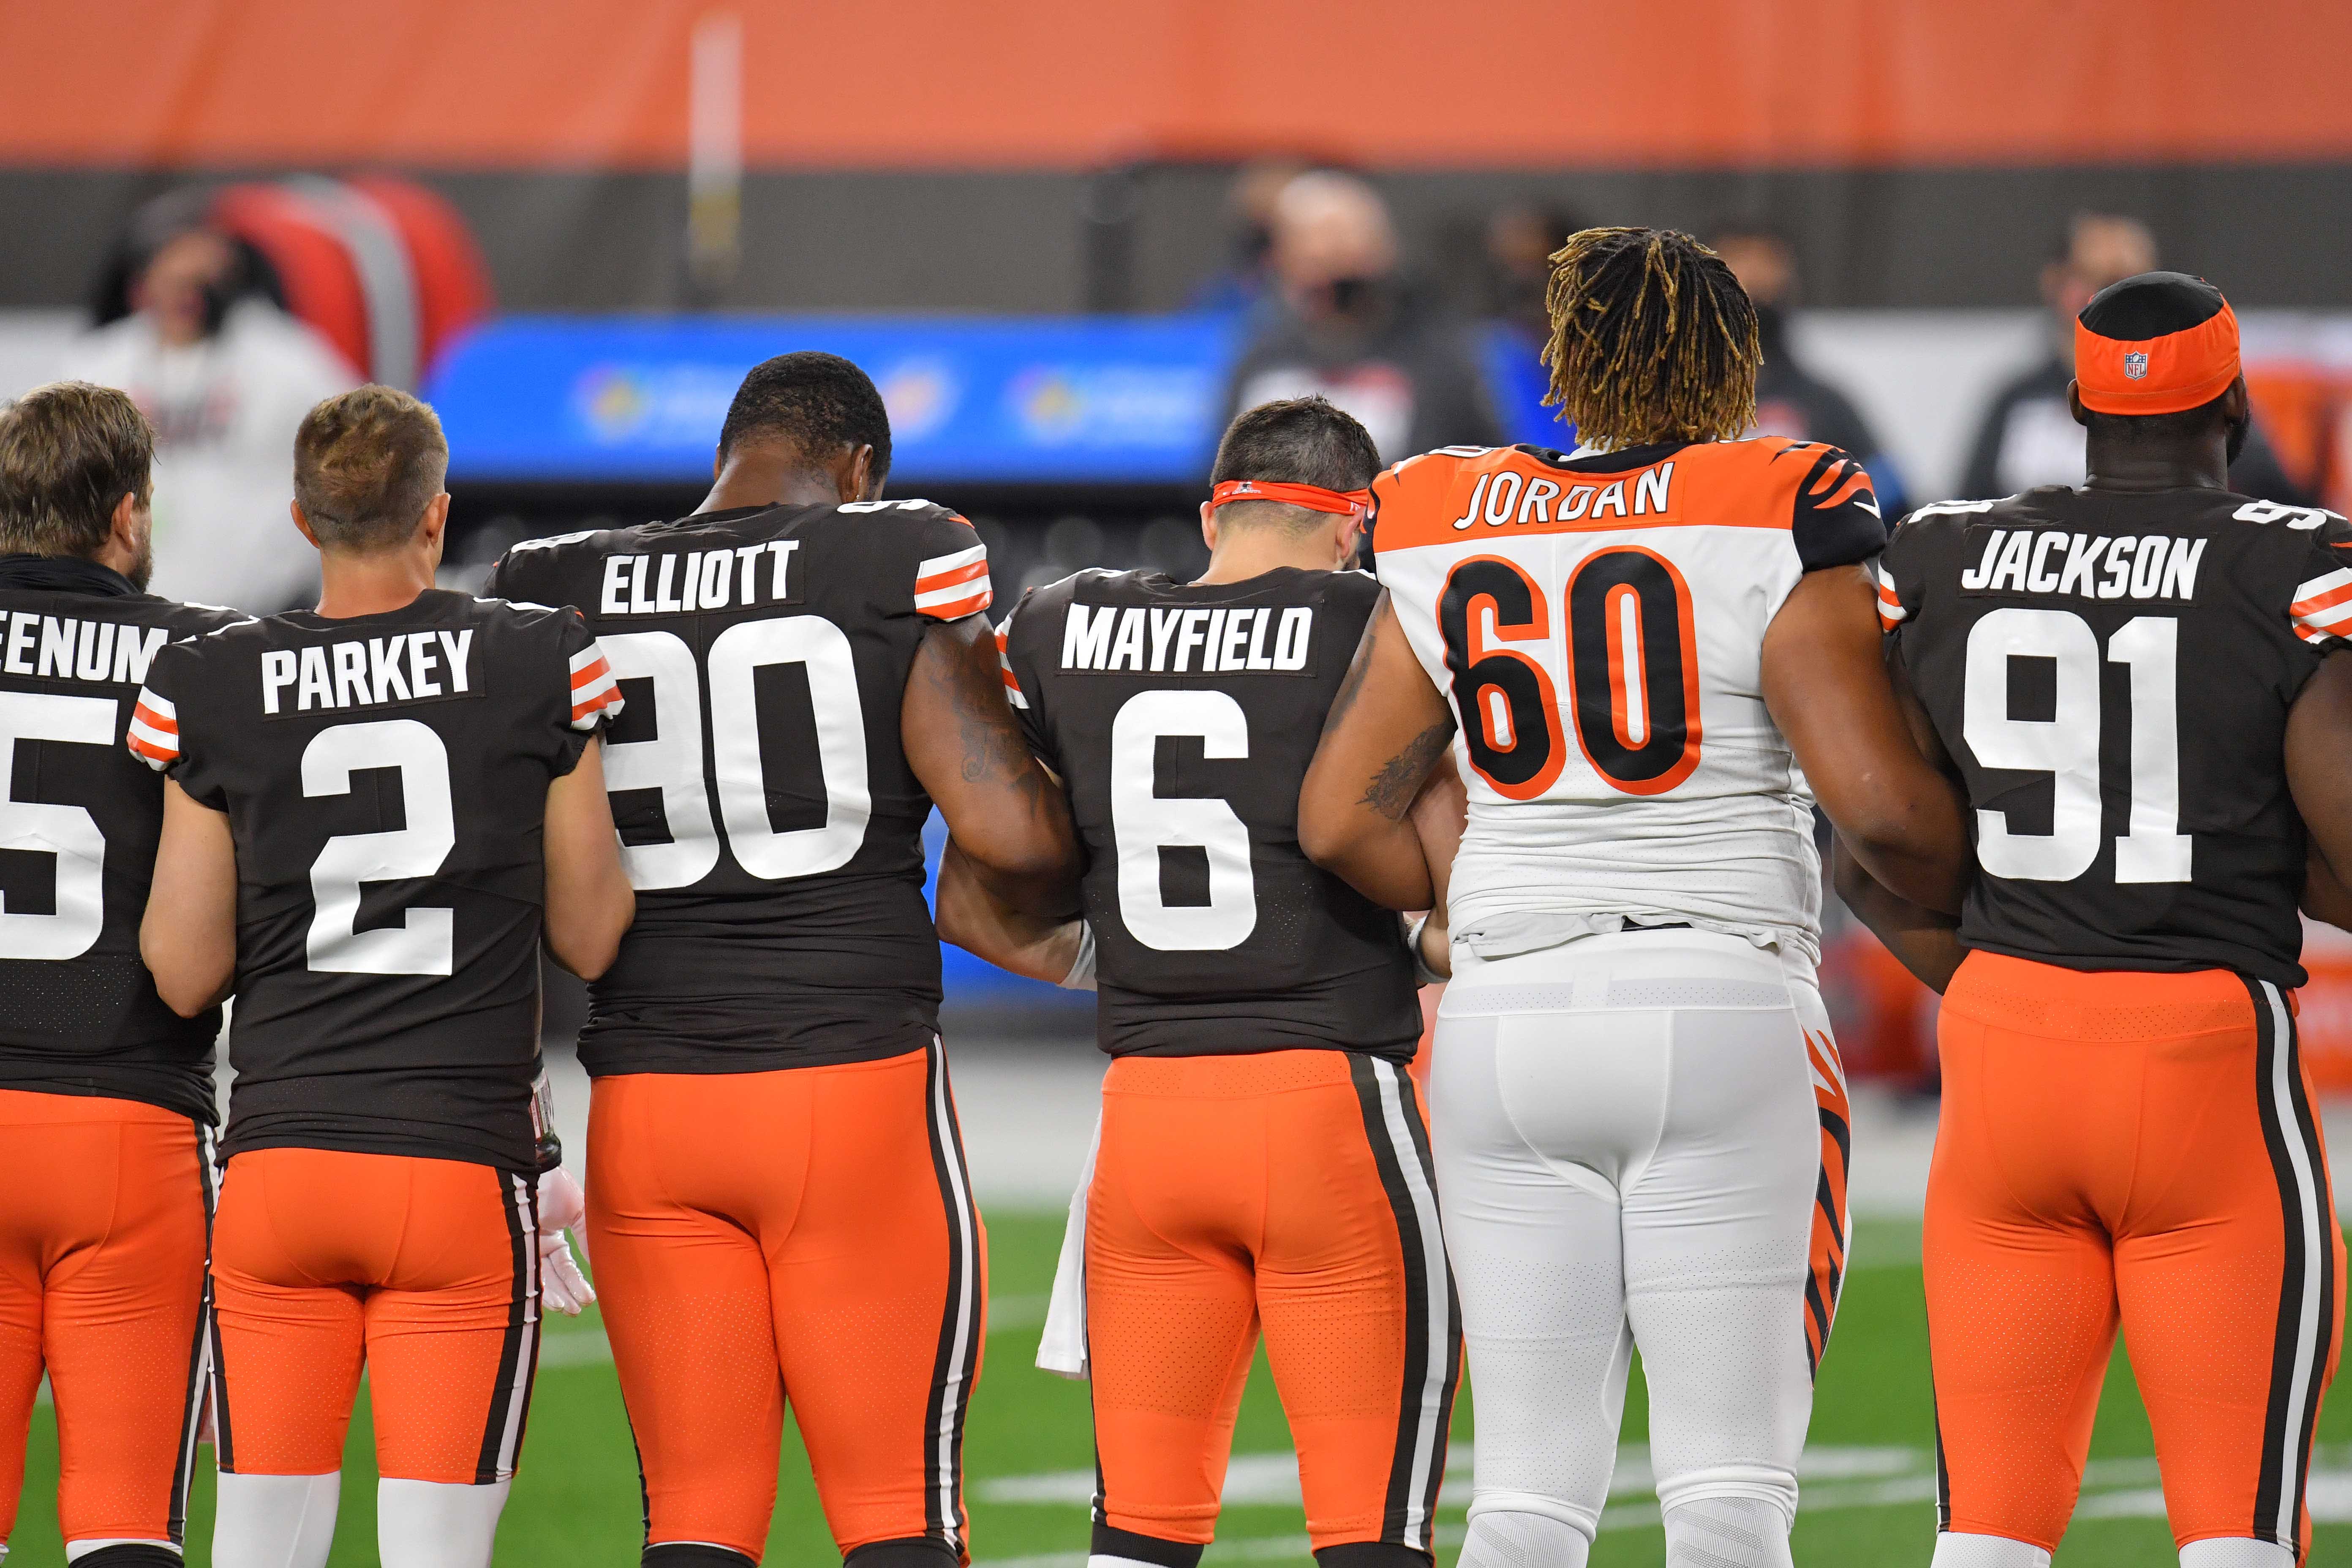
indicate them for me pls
(1641, 653)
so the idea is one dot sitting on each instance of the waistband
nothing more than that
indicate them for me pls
(39, 1108)
(726, 1075)
(1229, 1077)
(1655, 968)
(2110, 1004)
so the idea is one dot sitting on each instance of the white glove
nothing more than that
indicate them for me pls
(563, 1206)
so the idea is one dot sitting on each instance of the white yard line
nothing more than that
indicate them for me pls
(1836, 1480)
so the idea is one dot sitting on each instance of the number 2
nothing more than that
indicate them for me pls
(2067, 744)
(424, 941)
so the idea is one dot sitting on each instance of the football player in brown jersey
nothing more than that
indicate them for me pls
(2143, 685)
(106, 1094)
(375, 814)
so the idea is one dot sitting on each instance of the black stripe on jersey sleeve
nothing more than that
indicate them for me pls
(1835, 520)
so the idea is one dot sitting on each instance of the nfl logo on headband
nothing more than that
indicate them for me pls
(2134, 366)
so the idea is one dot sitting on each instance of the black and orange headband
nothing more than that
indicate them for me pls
(2157, 343)
(1314, 497)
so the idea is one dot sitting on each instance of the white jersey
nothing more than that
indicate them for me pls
(225, 412)
(1597, 622)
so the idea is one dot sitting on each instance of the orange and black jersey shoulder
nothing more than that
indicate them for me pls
(2111, 673)
(79, 820)
(386, 779)
(768, 817)
(1820, 496)
(1181, 718)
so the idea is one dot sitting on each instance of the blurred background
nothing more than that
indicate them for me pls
(1067, 238)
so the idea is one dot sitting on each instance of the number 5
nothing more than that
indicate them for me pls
(67, 832)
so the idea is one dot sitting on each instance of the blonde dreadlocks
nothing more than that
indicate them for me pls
(1653, 340)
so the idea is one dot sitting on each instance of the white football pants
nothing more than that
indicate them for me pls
(1640, 1138)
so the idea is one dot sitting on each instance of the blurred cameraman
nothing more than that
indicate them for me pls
(2028, 436)
(225, 377)
(1344, 323)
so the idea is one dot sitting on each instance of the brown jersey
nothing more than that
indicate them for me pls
(78, 822)
(770, 820)
(385, 778)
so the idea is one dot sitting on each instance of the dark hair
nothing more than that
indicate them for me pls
(366, 465)
(820, 403)
(70, 452)
(2151, 305)
(1295, 441)
(1653, 339)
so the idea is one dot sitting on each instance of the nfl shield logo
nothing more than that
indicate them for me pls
(2134, 366)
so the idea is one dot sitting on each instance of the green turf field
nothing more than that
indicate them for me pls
(1867, 1501)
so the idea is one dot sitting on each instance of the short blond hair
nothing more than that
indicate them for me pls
(70, 452)
(367, 463)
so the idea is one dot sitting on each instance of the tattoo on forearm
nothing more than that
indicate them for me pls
(992, 750)
(1394, 787)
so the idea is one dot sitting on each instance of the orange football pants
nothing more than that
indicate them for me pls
(2136, 1149)
(1291, 1190)
(424, 1271)
(807, 1236)
(103, 1225)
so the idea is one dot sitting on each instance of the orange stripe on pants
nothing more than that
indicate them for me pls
(423, 1270)
(102, 1282)
(806, 1234)
(2136, 1149)
(1236, 1190)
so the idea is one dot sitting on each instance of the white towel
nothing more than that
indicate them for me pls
(1062, 1348)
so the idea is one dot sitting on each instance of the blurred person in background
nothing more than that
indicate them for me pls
(1345, 323)
(1240, 284)
(2028, 436)
(1790, 400)
(225, 377)
(1515, 268)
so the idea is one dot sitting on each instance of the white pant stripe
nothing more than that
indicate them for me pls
(1427, 1437)
(2315, 1259)
(959, 1369)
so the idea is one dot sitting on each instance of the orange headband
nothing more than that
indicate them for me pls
(2157, 376)
(1314, 497)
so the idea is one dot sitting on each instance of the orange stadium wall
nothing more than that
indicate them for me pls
(940, 154)
(1718, 83)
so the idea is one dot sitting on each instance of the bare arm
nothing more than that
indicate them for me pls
(1002, 809)
(2318, 738)
(589, 900)
(1386, 732)
(2325, 896)
(1924, 941)
(973, 919)
(1826, 684)
(1438, 819)
(188, 936)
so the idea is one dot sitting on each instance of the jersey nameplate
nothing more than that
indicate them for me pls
(1109, 639)
(58, 648)
(2083, 565)
(734, 579)
(372, 672)
(1507, 496)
